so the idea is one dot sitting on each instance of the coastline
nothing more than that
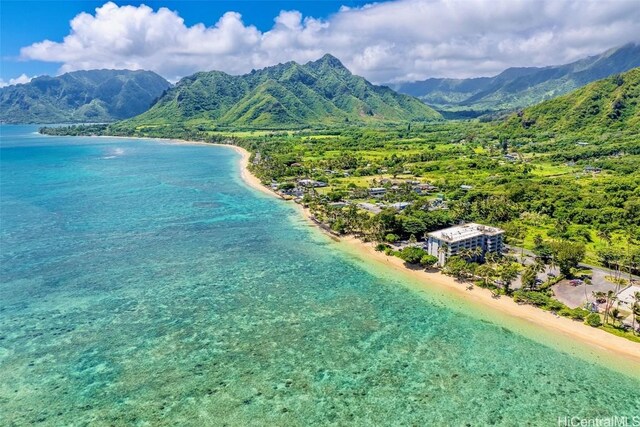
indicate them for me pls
(591, 343)
(573, 337)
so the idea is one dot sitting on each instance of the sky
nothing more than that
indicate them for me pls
(386, 41)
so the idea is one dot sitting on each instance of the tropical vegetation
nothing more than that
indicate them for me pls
(81, 97)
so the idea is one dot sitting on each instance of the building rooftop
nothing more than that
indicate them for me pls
(626, 296)
(466, 231)
(400, 205)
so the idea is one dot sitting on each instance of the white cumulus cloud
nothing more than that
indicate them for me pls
(398, 40)
(23, 78)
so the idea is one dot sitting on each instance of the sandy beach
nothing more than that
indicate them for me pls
(562, 333)
(614, 351)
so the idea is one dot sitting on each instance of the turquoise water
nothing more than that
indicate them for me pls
(142, 283)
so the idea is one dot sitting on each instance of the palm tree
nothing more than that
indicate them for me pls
(486, 272)
(507, 273)
(465, 253)
(584, 282)
(635, 309)
(611, 297)
(529, 277)
(615, 315)
(476, 252)
(552, 263)
(492, 257)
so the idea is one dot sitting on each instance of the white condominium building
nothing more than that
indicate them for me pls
(451, 241)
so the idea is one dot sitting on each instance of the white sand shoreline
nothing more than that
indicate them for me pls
(628, 352)
(567, 335)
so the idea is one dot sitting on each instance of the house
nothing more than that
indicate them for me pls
(424, 188)
(377, 191)
(311, 183)
(295, 192)
(592, 169)
(370, 207)
(451, 241)
(582, 143)
(626, 296)
(466, 187)
(437, 204)
(400, 205)
(511, 157)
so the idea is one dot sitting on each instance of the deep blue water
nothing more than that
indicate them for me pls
(142, 283)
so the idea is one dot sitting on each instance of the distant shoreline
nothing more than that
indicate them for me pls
(615, 352)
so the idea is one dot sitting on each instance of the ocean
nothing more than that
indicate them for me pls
(143, 283)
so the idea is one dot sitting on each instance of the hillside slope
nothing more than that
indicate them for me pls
(285, 95)
(609, 104)
(521, 87)
(81, 96)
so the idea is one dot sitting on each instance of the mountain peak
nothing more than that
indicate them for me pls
(321, 92)
(328, 60)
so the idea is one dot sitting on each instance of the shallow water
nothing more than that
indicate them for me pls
(143, 283)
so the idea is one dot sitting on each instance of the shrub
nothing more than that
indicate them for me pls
(578, 313)
(382, 247)
(335, 196)
(554, 305)
(391, 238)
(428, 261)
(531, 297)
(593, 320)
(539, 299)
(339, 226)
(286, 186)
(412, 255)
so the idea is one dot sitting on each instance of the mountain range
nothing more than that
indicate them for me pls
(81, 96)
(321, 92)
(290, 95)
(606, 105)
(519, 87)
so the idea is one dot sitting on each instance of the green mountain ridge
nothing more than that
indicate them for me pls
(321, 92)
(610, 104)
(81, 96)
(520, 87)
